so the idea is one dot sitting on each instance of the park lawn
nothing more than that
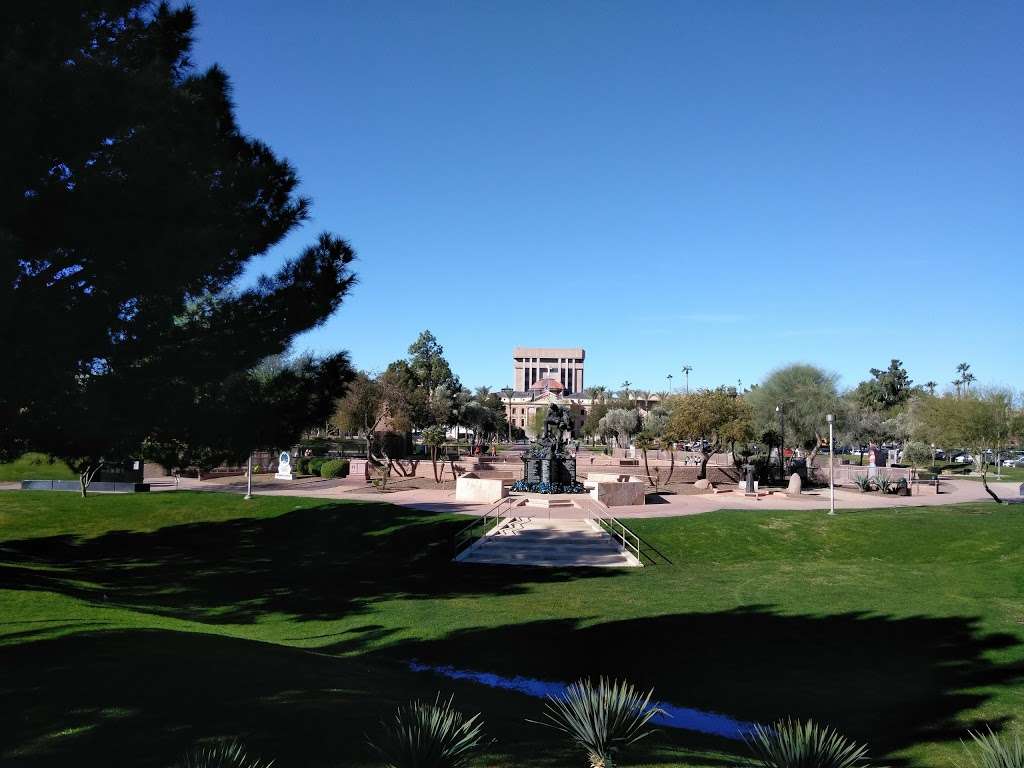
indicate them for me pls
(36, 466)
(134, 625)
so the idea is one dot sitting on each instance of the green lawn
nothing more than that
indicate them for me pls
(36, 466)
(131, 626)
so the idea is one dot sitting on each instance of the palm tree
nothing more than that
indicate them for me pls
(964, 378)
(625, 387)
(930, 386)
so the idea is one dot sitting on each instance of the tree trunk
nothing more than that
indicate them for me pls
(647, 469)
(704, 459)
(671, 464)
(85, 477)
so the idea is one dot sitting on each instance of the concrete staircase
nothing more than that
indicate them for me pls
(556, 543)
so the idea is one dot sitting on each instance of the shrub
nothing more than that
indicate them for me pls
(602, 718)
(301, 465)
(257, 469)
(864, 482)
(334, 468)
(992, 751)
(224, 754)
(884, 483)
(315, 465)
(792, 744)
(424, 735)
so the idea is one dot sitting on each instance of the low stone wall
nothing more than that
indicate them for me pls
(480, 490)
(618, 494)
(845, 473)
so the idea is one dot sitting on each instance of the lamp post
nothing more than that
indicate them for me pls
(507, 392)
(248, 478)
(782, 442)
(831, 467)
(686, 371)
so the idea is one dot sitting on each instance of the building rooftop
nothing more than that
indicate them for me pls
(554, 385)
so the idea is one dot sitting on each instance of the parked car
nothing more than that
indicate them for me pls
(1017, 461)
(963, 458)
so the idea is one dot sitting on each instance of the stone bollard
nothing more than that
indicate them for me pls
(795, 485)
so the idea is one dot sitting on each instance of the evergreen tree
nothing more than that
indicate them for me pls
(130, 203)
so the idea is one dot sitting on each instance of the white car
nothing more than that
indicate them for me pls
(964, 458)
(1014, 462)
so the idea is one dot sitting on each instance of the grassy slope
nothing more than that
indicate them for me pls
(142, 623)
(36, 466)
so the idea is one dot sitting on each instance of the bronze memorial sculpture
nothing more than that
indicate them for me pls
(549, 466)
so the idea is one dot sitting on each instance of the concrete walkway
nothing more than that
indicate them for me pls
(558, 543)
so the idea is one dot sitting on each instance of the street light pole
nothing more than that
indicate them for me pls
(831, 467)
(248, 478)
(782, 442)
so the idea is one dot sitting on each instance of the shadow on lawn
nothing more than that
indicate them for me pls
(311, 564)
(141, 698)
(892, 682)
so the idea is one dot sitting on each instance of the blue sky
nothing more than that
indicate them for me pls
(729, 185)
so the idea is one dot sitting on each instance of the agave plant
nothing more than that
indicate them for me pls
(602, 718)
(993, 751)
(864, 482)
(222, 754)
(792, 744)
(884, 482)
(425, 735)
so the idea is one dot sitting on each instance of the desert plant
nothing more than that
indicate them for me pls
(884, 483)
(991, 750)
(334, 468)
(602, 719)
(425, 735)
(222, 754)
(864, 482)
(793, 744)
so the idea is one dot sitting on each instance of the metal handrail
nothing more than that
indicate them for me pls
(495, 514)
(622, 535)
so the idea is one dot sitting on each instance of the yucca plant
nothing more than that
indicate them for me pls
(864, 482)
(602, 719)
(221, 754)
(993, 751)
(793, 744)
(425, 735)
(884, 482)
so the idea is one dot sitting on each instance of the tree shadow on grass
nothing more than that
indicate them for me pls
(317, 563)
(891, 682)
(143, 697)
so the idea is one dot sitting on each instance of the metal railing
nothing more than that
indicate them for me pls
(624, 536)
(479, 527)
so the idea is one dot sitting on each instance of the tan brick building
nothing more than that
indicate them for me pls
(562, 365)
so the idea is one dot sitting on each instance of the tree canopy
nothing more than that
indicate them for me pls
(805, 394)
(131, 206)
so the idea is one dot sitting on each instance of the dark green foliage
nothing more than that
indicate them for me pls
(793, 744)
(602, 719)
(315, 465)
(130, 202)
(424, 735)
(301, 465)
(334, 468)
(223, 754)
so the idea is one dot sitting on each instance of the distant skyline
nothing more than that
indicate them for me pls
(733, 186)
